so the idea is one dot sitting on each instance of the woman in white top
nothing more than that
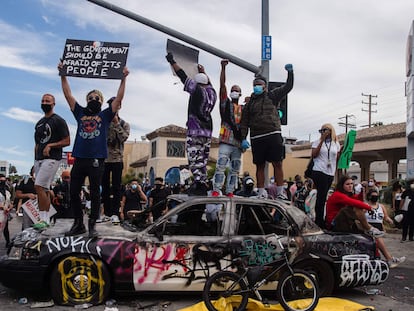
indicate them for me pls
(325, 153)
(378, 213)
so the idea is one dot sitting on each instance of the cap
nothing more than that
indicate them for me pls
(201, 78)
(249, 181)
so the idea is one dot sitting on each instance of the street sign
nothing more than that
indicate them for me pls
(266, 47)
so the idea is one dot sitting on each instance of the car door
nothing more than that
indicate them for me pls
(183, 248)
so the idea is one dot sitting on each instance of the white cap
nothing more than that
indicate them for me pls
(201, 78)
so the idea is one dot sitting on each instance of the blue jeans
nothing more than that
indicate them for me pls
(229, 156)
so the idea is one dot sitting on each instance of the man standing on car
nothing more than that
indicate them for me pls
(51, 135)
(90, 149)
(261, 116)
(114, 164)
(230, 137)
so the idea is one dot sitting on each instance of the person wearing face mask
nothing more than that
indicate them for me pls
(408, 215)
(157, 198)
(230, 150)
(261, 117)
(90, 149)
(378, 213)
(51, 135)
(132, 200)
(199, 123)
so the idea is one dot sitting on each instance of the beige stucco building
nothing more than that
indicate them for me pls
(165, 148)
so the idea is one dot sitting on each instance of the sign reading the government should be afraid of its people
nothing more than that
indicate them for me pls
(94, 59)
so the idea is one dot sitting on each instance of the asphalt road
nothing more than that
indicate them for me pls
(396, 294)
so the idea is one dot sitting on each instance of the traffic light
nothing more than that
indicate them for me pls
(282, 105)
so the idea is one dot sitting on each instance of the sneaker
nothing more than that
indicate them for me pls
(115, 220)
(41, 225)
(395, 261)
(20, 214)
(215, 193)
(374, 232)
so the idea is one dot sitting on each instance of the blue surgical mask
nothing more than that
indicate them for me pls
(258, 89)
(133, 186)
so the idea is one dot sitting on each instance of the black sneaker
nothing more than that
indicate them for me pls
(77, 228)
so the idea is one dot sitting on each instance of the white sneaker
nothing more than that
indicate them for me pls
(115, 220)
(395, 261)
(374, 232)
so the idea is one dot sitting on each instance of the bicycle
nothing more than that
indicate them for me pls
(226, 286)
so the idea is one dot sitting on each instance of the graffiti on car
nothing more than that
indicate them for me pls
(357, 269)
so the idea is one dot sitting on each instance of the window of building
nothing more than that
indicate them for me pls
(153, 149)
(175, 149)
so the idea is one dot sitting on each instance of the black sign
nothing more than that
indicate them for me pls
(94, 59)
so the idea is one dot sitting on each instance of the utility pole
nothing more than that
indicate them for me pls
(370, 104)
(347, 122)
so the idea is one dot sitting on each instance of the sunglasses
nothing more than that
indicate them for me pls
(323, 130)
(97, 98)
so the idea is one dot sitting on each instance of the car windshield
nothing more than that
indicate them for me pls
(305, 224)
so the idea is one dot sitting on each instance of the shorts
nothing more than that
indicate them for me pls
(45, 171)
(268, 148)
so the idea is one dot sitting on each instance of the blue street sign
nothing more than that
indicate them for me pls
(266, 47)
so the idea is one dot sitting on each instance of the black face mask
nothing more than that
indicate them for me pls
(94, 106)
(46, 108)
(374, 199)
(2, 184)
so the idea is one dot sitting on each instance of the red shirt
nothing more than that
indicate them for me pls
(339, 200)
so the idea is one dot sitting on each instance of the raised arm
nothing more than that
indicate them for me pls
(180, 73)
(66, 89)
(223, 89)
(116, 104)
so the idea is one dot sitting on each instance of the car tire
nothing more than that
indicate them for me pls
(77, 280)
(323, 273)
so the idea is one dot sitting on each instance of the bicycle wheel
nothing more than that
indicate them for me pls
(225, 287)
(298, 291)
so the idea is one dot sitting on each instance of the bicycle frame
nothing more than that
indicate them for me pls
(257, 284)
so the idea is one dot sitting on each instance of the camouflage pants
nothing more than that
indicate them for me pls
(198, 150)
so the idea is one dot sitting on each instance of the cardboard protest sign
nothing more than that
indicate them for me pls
(31, 208)
(186, 57)
(94, 59)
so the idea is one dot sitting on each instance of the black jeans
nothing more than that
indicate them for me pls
(322, 182)
(82, 168)
(408, 224)
(112, 208)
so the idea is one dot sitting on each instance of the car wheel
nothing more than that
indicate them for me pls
(323, 273)
(79, 279)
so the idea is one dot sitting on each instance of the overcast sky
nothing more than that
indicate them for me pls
(339, 50)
